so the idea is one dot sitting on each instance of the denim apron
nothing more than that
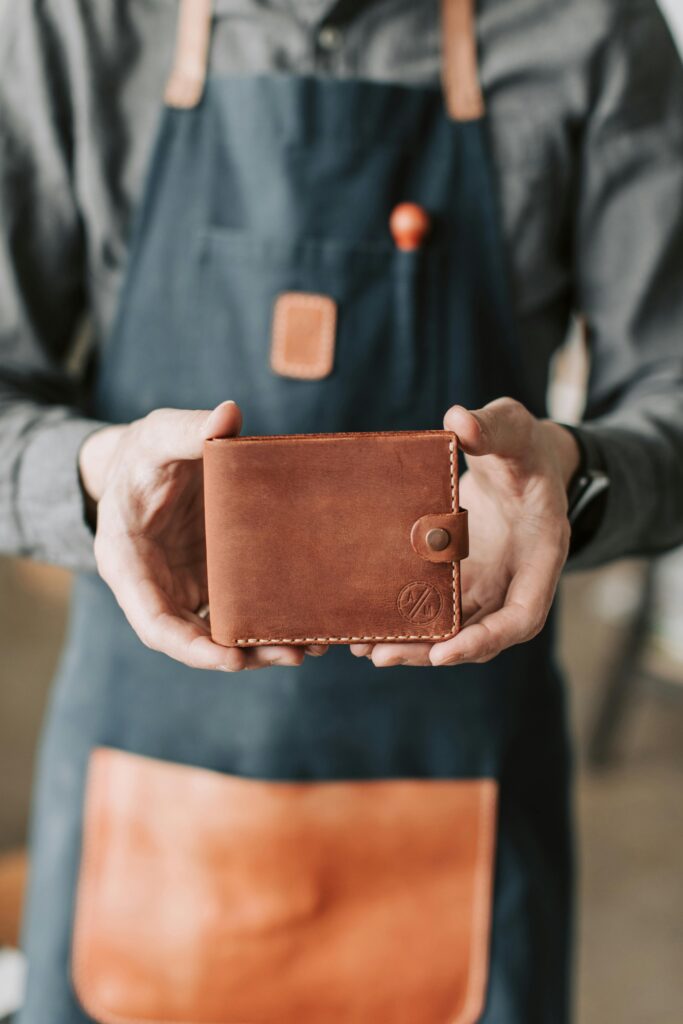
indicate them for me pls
(275, 184)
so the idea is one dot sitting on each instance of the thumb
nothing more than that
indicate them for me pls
(502, 427)
(173, 435)
(469, 430)
(224, 421)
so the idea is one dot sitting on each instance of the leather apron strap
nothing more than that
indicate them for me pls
(185, 85)
(462, 92)
(459, 72)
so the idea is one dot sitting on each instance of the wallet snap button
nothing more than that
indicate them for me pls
(438, 539)
(441, 536)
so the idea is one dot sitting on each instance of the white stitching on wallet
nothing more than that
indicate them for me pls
(454, 507)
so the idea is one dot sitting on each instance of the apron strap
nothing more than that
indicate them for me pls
(459, 73)
(464, 99)
(185, 85)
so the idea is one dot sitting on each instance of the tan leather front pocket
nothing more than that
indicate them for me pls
(209, 899)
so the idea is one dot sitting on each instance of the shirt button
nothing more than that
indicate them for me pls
(329, 38)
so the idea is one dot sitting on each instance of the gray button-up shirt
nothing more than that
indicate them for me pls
(585, 99)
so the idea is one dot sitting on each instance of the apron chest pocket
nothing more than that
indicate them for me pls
(380, 356)
(210, 899)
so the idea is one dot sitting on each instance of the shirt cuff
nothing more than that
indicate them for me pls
(50, 499)
(616, 525)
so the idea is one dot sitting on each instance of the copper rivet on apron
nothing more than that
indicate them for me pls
(438, 539)
(409, 224)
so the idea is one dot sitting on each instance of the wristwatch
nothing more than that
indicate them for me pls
(586, 493)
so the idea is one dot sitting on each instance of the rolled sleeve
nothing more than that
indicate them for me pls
(53, 522)
(42, 299)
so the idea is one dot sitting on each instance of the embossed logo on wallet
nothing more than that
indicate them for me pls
(419, 602)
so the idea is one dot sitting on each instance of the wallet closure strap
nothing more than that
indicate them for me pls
(441, 536)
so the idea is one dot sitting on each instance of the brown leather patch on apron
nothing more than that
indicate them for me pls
(209, 899)
(304, 328)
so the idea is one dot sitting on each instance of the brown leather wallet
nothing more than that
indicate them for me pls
(333, 538)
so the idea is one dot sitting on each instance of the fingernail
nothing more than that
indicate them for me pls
(437, 659)
(226, 401)
(285, 661)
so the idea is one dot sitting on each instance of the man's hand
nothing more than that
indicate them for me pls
(147, 483)
(516, 492)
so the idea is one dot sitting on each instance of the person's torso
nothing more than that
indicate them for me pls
(272, 185)
(535, 60)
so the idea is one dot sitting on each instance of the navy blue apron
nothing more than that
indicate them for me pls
(274, 184)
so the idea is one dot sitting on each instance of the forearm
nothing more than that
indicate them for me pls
(566, 451)
(94, 459)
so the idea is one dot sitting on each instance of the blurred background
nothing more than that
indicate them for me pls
(622, 647)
